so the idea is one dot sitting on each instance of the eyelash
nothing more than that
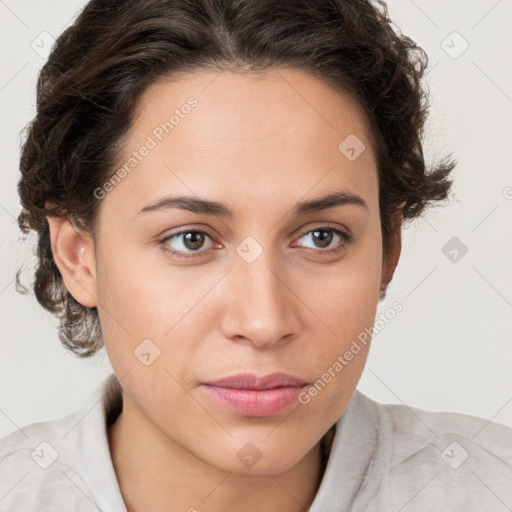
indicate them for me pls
(162, 242)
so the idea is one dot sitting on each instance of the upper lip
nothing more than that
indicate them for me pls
(253, 381)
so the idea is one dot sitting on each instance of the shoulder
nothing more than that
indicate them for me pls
(36, 466)
(48, 464)
(446, 461)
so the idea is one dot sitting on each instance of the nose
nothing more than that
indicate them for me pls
(262, 308)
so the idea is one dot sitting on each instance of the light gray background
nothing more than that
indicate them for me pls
(449, 349)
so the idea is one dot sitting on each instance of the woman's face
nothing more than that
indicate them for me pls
(270, 287)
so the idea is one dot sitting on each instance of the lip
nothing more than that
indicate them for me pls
(252, 395)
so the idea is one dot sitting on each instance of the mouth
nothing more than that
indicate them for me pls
(252, 395)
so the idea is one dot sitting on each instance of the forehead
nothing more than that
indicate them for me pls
(263, 103)
(265, 134)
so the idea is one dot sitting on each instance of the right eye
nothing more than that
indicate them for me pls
(190, 241)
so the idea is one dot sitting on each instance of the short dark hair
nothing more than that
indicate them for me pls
(88, 89)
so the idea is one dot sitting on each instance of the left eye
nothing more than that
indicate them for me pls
(323, 237)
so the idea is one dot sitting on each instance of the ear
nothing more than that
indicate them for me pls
(391, 260)
(73, 252)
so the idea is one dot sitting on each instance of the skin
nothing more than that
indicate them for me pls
(258, 144)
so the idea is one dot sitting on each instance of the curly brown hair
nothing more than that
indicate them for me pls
(88, 89)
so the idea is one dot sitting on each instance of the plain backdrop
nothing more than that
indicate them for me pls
(448, 349)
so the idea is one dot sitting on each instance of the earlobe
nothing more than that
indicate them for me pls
(73, 252)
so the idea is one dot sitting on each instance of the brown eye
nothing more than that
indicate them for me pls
(185, 243)
(193, 240)
(323, 237)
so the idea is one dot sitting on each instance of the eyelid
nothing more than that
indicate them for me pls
(325, 225)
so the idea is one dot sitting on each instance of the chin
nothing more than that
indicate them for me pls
(258, 458)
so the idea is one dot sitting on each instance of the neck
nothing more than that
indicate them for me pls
(157, 474)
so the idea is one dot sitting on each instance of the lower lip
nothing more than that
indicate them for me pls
(251, 402)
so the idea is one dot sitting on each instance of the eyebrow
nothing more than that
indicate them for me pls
(203, 206)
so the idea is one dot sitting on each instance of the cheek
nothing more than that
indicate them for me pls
(350, 305)
(349, 311)
(146, 296)
(347, 304)
(143, 298)
(348, 299)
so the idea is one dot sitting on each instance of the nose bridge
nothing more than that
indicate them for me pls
(262, 308)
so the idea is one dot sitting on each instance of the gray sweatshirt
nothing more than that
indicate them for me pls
(383, 458)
